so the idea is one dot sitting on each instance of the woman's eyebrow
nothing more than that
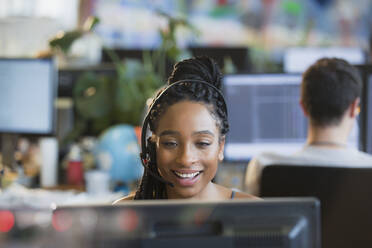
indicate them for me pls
(171, 132)
(204, 132)
(168, 132)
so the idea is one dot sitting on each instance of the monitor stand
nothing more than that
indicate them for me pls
(8, 146)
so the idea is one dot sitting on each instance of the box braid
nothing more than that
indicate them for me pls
(199, 68)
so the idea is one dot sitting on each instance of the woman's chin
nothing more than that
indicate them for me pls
(184, 194)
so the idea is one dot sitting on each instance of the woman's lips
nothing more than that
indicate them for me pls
(186, 178)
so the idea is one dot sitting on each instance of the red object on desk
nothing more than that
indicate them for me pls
(75, 173)
(6, 220)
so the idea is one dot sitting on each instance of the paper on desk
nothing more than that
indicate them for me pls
(17, 195)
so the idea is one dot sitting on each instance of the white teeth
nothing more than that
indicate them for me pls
(186, 175)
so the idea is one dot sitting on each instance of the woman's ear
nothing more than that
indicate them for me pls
(220, 157)
(221, 149)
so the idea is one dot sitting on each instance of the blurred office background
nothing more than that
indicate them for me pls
(137, 38)
(270, 25)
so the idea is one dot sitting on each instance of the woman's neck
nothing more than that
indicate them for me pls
(212, 191)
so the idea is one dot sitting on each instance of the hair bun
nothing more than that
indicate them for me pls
(198, 68)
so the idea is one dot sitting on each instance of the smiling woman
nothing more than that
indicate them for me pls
(188, 150)
(188, 121)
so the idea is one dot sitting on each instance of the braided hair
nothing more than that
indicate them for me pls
(199, 68)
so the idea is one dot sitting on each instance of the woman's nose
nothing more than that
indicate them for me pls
(186, 155)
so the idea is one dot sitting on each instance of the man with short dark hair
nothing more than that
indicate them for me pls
(330, 96)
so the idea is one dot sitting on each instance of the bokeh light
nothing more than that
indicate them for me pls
(88, 220)
(6, 220)
(202, 215)
(61, 220)
(128, 220)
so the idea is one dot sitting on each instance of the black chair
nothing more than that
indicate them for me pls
(345, 195)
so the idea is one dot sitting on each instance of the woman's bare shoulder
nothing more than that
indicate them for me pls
(237, 193)
(241, 195)
(124, 199)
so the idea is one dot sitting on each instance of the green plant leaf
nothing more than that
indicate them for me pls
(64, 40)
(93, 96)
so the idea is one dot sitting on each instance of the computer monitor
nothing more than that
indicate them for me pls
(281, 223)
(298, 59)
(265, 115)
(28, 89)
(366, 107)
(344, 193)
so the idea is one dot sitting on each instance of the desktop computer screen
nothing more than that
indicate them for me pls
(28, 88)
(298, 59)
(281, 223)
(265, 115)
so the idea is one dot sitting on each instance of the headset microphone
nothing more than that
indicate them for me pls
(146, 158)
(159, 177)
(145, 161)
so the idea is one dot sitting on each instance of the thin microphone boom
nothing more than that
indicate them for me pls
(144, 163)
(159, 178)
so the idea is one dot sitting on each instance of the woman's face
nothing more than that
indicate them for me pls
(188, 149)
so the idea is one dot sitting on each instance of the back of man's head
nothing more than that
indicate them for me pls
(328, 88)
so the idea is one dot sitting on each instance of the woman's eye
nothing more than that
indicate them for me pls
(203, 144)
(169, 144)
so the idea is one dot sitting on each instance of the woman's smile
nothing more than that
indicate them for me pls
(186, 178)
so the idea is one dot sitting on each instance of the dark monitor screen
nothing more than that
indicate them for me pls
(344, 194)
(292, 222)
(368, 116)
(239, 56)
(366, 107)
(265, 115)
(28, 88)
